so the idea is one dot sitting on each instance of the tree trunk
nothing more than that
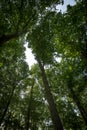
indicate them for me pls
(7, 106)
(6, 38)
(52, 106)
(77, 101)
(29, 109)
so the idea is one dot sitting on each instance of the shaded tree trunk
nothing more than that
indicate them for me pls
(6, 38)
(77, 101)
(52, 106)
(29, 108)
(7, 106)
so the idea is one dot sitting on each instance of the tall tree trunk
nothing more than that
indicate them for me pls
(29, 108)
(52, 106)
(77, 101)
(7, 106)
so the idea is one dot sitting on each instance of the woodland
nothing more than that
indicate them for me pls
(52, 93)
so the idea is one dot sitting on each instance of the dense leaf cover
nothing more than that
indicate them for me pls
(52, 94)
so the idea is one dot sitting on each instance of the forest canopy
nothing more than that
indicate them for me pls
(51, 94)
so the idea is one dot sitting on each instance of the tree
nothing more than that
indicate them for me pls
(71, 44)
(24, 13)
(45, 41)
(58, 85)
(29, 108)
(52, 106)
(11, 74)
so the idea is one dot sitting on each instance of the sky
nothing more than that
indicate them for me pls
(29, 56)
(66, 2)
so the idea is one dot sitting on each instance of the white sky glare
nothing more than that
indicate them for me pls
(64, 6)
(29, 56)
(30, 59)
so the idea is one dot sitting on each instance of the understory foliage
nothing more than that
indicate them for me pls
(51, 94)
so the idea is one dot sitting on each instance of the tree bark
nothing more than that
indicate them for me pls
(77, 101)
(7, 106)
(52, 106)
(6, 38)
(29, 109)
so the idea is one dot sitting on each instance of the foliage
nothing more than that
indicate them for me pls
(51, 35)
